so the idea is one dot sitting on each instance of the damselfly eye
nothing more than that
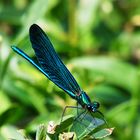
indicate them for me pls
(96, 105)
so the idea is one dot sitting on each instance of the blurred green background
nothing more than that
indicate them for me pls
(98, 40)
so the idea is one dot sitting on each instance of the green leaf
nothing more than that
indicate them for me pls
(11, 132)
(33, 15)
(103, 133)
(114, 70)
(41, 133)
(54, 130)
(66, 122)
(5, 102)
(85, 124)
(105, 93)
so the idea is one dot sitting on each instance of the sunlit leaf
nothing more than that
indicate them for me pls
(103, 133)
(41, 133)
(84, 125)
(115, 71)
(11, 132)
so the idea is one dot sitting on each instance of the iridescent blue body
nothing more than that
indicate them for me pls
(53, 68)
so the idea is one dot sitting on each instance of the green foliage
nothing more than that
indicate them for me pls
(99, 42)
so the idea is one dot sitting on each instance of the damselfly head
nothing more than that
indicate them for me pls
(96, 105)
(93, 107)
